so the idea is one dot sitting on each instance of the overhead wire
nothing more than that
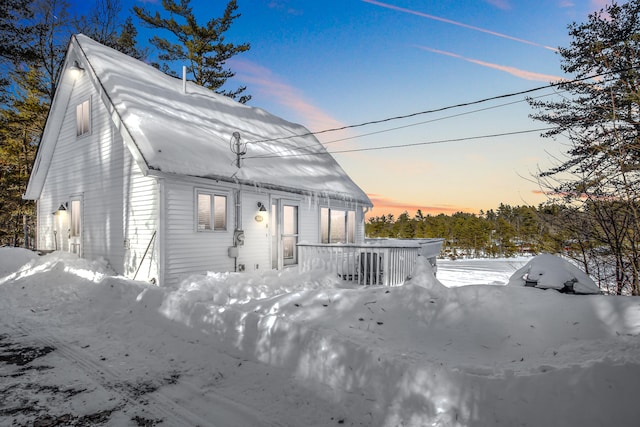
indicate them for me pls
(414, 144)
(449, 107)
(304, 147)
(552, 86)
(389, 130)
(325, 143)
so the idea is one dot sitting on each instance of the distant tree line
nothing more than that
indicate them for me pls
(555, 228)
(34, 37)
(504, 232)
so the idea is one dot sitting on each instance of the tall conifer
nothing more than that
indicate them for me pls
(203, 49)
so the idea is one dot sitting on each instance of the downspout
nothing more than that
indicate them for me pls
(238, 233)
(239, 150)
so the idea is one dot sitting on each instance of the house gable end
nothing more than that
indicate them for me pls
(75, 62)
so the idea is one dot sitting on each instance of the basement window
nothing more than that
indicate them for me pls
(83, 118)
(337, 225)
(211, 211)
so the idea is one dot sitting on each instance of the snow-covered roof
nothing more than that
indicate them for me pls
(188, 132)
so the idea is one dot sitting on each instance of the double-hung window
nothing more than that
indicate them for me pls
(212, 211)
(337, 225)
(83, 118)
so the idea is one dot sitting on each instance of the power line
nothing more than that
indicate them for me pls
(304, 147)
(415, 144)
(426, 121)
(436, 110)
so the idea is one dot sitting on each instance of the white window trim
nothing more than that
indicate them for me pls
(213, 194)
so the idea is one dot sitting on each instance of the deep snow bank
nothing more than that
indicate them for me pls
(13, 258)
(424, 354)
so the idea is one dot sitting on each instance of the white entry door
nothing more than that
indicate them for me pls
(284, 233)
(75, 226)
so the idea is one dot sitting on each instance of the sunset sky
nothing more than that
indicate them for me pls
(345, 62)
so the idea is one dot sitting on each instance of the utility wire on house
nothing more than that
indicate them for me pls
(415, 144)
(437, 110)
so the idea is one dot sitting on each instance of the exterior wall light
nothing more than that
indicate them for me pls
(261, 212)
(61, 208)
(75, 69)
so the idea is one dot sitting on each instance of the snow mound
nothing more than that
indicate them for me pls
(546, 271)
(11, 259)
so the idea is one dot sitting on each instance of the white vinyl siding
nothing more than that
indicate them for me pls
(254, 254)
(119, 204)
(188, 250)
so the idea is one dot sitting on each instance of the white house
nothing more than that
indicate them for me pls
(164, 178)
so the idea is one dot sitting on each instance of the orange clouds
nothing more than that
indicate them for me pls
(263, 80)
(523, 74)
(385, 206)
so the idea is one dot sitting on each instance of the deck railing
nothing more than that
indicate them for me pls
(387, 262)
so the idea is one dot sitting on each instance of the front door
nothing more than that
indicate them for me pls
(284, 233)
(75, 226)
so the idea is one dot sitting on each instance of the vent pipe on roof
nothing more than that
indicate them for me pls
(184, 78)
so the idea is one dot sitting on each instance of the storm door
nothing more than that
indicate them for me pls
(289, 235)
(75, 226)
(284, 233)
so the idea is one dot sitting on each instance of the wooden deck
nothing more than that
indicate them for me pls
(387, 262)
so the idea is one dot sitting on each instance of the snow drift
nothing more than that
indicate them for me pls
(415, 355)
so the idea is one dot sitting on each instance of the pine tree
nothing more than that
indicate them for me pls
(15, 39)
(202, 49)
(54, 28)
(20, 130)
(126, 41)
(600, 117)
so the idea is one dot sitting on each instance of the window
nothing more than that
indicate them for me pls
(289, 234)
(212, 211)
(83, 122)
(74, 227)
(337, 226)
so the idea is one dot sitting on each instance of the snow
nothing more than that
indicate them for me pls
(552, 272)
(157, 113)
(304, 349)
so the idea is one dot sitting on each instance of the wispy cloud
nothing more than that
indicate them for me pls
(500, 4)
(523, 74)
(262, 80)
(459, 24)
(283, 6)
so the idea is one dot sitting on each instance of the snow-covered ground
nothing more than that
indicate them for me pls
(79, 346)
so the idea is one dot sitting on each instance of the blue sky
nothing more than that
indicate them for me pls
(334, 63)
